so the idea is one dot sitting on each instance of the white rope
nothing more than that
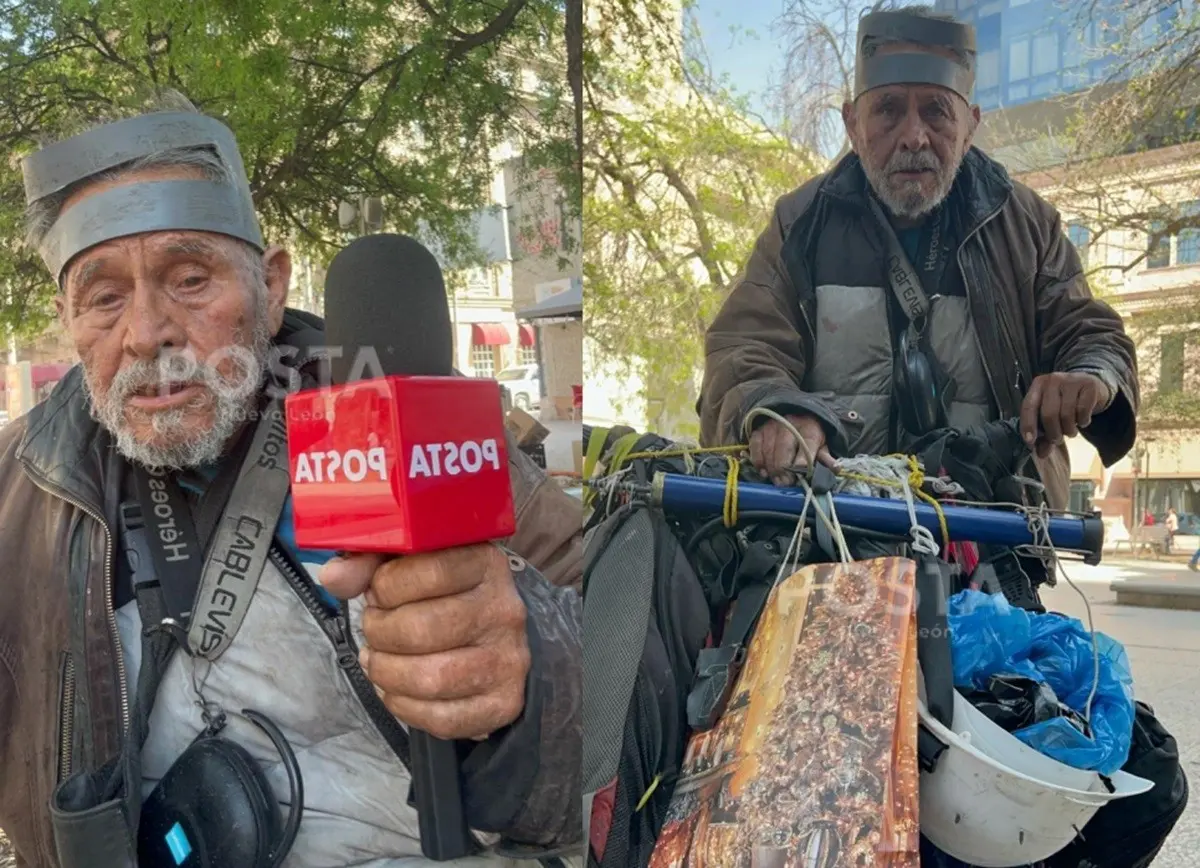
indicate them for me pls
(1039, 526)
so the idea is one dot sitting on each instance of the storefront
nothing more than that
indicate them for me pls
(558, 321)
(1160, 472)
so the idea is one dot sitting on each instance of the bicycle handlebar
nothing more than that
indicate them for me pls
(679, 494)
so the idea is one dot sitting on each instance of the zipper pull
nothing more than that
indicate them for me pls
(347, 659)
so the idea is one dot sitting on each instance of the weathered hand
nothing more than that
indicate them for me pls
(445, 636)
(1064, 402)
(774, 450)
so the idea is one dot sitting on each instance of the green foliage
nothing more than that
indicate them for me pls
(678, 183)
(399, 98)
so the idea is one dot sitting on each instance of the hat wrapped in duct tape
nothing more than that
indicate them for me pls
(202, 205)
(903, 47)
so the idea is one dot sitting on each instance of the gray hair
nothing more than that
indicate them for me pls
(41, 214)
(870, 45)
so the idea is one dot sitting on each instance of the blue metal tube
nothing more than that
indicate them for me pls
(676, 493)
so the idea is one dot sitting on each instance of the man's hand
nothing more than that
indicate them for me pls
(774, 450)
(445, 636)
(1064, 403)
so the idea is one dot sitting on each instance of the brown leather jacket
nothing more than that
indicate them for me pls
(56, 562)
(1027, 293)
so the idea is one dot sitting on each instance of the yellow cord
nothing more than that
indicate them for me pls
(649, 792)
(731, 492)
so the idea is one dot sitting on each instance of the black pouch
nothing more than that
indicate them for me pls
(214, 808)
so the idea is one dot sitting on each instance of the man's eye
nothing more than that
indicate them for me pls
(193, 281)
(105, 300)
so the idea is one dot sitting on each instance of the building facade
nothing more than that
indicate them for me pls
(1039, 65)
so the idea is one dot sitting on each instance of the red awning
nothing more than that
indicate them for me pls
(528, 338)
(489, 334)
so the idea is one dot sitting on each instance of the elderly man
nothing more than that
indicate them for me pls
(913, 287)
(175, 305)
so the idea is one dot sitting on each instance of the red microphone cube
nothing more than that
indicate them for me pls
(399, 465)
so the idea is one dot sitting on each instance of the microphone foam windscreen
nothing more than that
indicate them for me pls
(384, 294)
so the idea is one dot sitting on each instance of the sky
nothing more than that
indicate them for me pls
(747, 58)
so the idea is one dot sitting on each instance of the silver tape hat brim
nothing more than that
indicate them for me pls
(900, 26)
(148, 206)
(917, 67)
(57, 166)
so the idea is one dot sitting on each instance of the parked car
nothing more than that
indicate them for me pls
(524, 384)
(1189, 522)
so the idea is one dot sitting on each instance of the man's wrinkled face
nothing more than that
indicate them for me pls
(911, 140)
(173, 330)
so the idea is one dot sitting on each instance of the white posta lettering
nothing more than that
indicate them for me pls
(452, 459)
(353, 465)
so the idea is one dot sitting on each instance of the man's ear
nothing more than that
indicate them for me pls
(850, 120)
(277, 267)
(972, 127)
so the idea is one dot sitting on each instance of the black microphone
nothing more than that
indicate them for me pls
(384, 295)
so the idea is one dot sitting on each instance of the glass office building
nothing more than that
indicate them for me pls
(1033, 49)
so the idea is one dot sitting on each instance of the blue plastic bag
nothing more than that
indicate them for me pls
(988, 636)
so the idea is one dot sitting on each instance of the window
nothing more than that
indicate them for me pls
(1187, 244)
(527, 355)
(483, 360)
(1171, 363)
(1081, 237)
(1045, 54)
(1018, 60)
(1158, 246)
(988, 75)
(1179, 248)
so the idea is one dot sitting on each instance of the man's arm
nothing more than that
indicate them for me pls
(756, 349)
(1080, 333)
(549, 522)
(524, 782)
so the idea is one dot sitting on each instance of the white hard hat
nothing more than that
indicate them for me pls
(994, 802)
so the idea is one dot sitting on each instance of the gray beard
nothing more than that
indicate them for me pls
(907, 200)
(179, 443)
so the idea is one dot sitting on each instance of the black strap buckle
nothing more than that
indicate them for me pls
(135, 544)
(717, 671)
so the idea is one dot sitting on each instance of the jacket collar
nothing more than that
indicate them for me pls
(68, 450)
(982, 186)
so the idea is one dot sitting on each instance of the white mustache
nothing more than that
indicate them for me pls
(913, 161)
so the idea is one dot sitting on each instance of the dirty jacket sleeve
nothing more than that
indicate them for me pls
(524, 782)
(759, 345)
(1078, 332)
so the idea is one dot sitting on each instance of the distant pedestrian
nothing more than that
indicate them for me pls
(1194, 564)
(1172, 524)
(1147, 518)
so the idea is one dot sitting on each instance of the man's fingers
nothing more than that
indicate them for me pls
(826, 458)
(424, 626)
(1030, 409)
(457, 674)
(757, 458)
(1089, 399)
(1069, 411)
(1051, 413)
(434, 574)
(349, 576)
(473, 717)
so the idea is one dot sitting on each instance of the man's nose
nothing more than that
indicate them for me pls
(914, 134)
(150, 326)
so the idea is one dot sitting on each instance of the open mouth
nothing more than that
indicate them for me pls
(161, 395)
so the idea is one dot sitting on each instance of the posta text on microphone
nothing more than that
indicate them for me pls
(399, 464)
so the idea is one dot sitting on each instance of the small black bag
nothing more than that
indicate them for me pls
(214, 808)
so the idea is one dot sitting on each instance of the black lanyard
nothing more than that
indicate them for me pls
(913, 285)
(205, 595)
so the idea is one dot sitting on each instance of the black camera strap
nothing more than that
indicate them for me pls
(204, 595)
(910, 285)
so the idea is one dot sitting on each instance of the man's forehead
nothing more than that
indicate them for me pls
(171, 243)
(921, 92)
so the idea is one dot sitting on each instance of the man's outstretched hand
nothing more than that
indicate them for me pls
(1064, 403)
(774, 450)
(445, 636)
